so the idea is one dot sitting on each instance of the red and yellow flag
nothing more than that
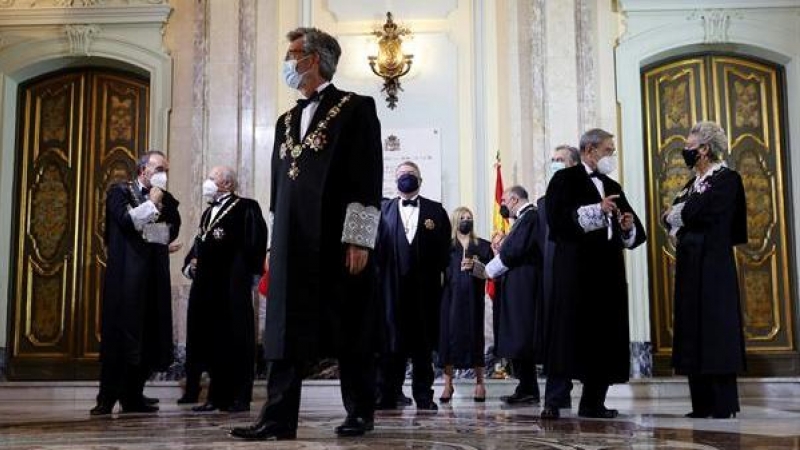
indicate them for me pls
(499, 223)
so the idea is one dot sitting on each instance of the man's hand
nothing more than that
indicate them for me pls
(626, 221)
(174, 246)
(356, 259)
(156, 195)
(608, 204)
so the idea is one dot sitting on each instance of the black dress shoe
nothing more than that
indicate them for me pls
(519, 398)
(600, 413)
(139, 407)
(354, 426)
(697, 415)
(205, 407)
(237, 407)
(386, 405)
(149, 400)
(264, 431)
(402, 400)
(427, 405)
(550, 413)
(102, 409)
(187, 399)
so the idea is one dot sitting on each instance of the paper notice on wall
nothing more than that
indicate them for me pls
(420, 145)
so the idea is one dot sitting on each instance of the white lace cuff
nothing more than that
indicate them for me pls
(142, 214)
(592, 217)
(495, 268)
(361, 225)
(674, 218)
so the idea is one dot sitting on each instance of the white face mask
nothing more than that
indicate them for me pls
(607, 164)
(159, 180)
(290, 75)
(209, 189)
(555, 166)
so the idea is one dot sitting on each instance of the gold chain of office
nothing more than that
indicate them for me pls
(315, 140)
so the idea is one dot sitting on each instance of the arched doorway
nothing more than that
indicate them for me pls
(78, 130)
(747, 97)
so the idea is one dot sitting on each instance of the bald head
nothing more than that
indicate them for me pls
(224, 177)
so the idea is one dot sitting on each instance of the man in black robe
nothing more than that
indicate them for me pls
(591, 223)
(136, 317)
(557, 389)
(229, 252)
(414, 250)
(327, 170)
(520, 265)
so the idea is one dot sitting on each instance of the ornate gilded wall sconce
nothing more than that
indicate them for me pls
(391, 63)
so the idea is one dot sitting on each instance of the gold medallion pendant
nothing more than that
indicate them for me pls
(315, 140)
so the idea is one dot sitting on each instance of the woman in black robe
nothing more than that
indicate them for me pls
(707, 218)
(461, 340)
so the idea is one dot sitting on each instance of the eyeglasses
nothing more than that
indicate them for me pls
(294, 54)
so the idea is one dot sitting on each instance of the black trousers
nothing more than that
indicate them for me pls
(393, 374)
(714, 394)
(123, 382)
(557, 392)
(284, 384)
(525, 371)
(594, 393)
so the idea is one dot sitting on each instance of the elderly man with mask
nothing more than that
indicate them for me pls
(591, 223)
(136, 324)
(557, 389)
(228, 254)
(519, 262)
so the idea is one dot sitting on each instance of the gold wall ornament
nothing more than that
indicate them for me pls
(391, 63)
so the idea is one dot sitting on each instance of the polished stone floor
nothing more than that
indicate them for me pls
(765, 423)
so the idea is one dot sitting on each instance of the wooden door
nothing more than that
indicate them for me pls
(746, 97)
(79, 131)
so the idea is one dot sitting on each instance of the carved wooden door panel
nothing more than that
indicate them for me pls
(79, 131)
(746, 97)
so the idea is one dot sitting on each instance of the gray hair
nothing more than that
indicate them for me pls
(713, 136)
(519, 192)
(593, 138)
(321, 43)
(145, 159)
(408, 163)
(574, 154)
(229, 176)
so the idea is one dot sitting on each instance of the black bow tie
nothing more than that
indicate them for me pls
(303, 102)
(213, 203)
(413, 202)
(594, 174)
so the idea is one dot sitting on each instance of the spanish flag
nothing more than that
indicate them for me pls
(499, 224)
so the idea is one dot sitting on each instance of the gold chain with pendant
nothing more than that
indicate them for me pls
(203, 233)
(315, 140)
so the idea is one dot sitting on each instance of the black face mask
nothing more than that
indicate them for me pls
(505, 212)
(465, 226)
(407, 183)
(690, 156)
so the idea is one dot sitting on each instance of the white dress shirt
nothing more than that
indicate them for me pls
(409, 216)
(218, 206)
(309, 110)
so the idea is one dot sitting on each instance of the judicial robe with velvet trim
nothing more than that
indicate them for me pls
(519, 333)
(708, 337)
(315, 307)
(588, 336)
(136, 317)
(230, 251)
(412, 302)
(461, 340)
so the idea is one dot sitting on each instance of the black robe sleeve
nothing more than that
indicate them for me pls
(255, 235)
(117, 202)
(521, 246)
(364, 158)
(562, 208)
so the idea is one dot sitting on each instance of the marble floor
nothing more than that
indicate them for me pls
(654, 423)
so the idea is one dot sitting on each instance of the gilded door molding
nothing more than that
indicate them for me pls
(744, 96)
(79, 131)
